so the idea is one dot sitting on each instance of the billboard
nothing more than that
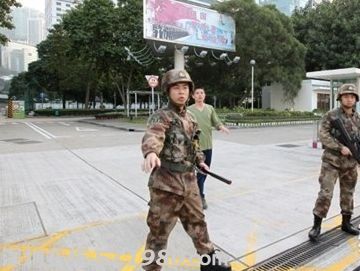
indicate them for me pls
(182, 23)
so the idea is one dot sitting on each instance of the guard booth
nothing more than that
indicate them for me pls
(337, 78)
(136, 94)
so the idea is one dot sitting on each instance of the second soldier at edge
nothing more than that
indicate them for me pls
(338, 162)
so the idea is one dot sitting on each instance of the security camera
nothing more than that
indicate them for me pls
(184, 49)
(236, 59)
(161, 49)
(203, 53)
(223, 56)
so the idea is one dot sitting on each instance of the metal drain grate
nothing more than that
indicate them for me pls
(288, 145)
(305, 252)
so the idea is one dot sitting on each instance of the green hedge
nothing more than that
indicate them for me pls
(265, 116)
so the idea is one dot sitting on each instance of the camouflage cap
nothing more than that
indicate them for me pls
(348, 89)
(174, 76)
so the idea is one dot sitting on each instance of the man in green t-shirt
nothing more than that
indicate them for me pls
(207, 118)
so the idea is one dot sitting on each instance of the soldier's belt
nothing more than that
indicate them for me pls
(177, 167)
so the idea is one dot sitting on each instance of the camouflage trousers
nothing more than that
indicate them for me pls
(165, 209)
(328, 176)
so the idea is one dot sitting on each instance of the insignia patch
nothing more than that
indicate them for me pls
(182, 74)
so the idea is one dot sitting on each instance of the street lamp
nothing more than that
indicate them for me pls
(252, 63)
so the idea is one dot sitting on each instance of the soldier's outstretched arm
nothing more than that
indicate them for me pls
(153, 141)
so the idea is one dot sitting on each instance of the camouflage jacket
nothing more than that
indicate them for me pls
(332, 153)
(171, 135)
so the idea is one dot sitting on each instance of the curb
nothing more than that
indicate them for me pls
(267, 124)
(127, 129)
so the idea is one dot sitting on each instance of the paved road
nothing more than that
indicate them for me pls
(72, 196)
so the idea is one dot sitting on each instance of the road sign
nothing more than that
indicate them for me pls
(152, 80)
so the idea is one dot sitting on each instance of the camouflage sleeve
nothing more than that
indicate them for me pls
(153, 140)
(325, 137)
(199, 155)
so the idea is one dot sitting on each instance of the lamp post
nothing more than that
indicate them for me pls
(252, 63)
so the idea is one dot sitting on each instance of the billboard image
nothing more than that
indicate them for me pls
(181, 23)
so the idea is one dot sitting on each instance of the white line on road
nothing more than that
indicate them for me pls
(64, 123)
(79, 129)
(40, 130)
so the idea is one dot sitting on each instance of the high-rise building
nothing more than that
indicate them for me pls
(55, 9)
(27, 33)
(286, 6)
(29, 26)
(17, 56)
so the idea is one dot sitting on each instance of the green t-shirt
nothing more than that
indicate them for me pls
(206, 118)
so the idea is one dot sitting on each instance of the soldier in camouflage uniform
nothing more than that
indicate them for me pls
(337, 162)
(171, 150)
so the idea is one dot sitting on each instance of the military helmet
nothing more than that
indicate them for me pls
(348, 89)
(174, 76)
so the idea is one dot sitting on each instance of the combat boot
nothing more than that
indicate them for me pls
(204, 203)
(315, 230)
(346, 226)
(212, 263)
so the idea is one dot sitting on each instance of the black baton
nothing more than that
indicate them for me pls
(212, 174)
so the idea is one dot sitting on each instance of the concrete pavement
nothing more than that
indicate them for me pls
(85, 208)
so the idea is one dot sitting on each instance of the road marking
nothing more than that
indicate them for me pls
(79, 129)
(40, 130)
(64, 123)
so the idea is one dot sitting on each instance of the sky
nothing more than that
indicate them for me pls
(35, 4)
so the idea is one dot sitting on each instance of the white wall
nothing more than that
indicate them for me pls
(306, 99)
(276, 93)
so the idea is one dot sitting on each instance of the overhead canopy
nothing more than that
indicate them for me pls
(339, 74)
(333, 76)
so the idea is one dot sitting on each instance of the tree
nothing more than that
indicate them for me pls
(267, 36)
(126, 73)
(331, 34)
(5, 17)
(90, 30)
(57, 71)
(18, 86)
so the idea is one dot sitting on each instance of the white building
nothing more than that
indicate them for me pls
(314, 93)
(17, 56)
(55, 9)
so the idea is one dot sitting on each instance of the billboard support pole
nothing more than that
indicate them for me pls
(152, 101)
(179, 59)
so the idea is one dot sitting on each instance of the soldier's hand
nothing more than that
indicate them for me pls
(151, 161)
(345, 151)
(202, 165)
